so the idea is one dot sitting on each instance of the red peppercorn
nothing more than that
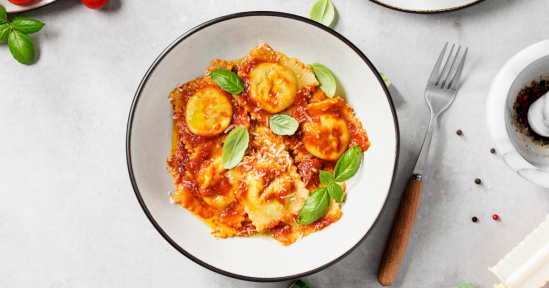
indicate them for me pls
(477, 181)
(495, 217)
(525, 97)
(536, 90)
(459, 132)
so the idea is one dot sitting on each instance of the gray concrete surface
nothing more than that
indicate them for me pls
(68, 214)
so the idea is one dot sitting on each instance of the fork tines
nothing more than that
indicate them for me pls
(442, 79)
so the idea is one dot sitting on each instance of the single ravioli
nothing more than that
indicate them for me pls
(203, 110)
(267, 182)
(330, 128)
(273, 82)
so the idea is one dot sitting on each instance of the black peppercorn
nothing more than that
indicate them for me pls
(477, 181)
(475, 219)
(492, 150)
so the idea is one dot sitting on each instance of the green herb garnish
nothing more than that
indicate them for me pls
(316, 204)
(323, 12)
(228, 81)
(385, 79)
(19, 44)
(465, 286)
(283, 124)
(299, 284)
(325, 78)
(235, 146)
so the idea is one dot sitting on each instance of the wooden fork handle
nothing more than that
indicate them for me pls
(402, 229)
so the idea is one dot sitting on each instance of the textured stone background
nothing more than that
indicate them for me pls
(68, 214)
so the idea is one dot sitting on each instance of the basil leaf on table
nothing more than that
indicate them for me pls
(20, 46)
(26, 25)
(314, 207)
(283, 124)
(235, 146)
(5, 30)
(385, 79)
(3, 15)
(325, 177)
(325, 78)
(336, 192)
(299, 284)
(228, 81)
(465, 286)
(323, 12)
(348, 164)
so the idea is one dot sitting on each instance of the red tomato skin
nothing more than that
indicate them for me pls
(20, 2)
(95, 4)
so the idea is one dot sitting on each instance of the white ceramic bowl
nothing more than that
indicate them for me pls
(232, 37)
(426, 6)
(529, 160)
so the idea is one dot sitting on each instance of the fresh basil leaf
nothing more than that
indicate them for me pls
(336, 192)
(325, 78)
(283, 124)
(348, 164)
(325, 177)
(3, 15)
(299, 284)
(228, 81)
(315, 206)
(385, 79)
(26, 25)
(5, 30)
(235, 146)
(20, 46)
(465, 286)
(323, 12)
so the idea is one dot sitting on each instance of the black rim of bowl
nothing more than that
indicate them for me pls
(26, 9)
(136, 100)
(427, 11)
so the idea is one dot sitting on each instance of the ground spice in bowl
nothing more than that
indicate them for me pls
(525, 98)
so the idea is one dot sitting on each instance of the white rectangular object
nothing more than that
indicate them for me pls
(527, 266)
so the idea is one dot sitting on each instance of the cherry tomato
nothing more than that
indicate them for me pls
(20, 2)
(94, 4)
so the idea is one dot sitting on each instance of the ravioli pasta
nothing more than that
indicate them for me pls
(265, 192)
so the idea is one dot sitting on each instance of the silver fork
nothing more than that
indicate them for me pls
(439, 94)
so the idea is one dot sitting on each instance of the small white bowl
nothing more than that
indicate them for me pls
(232, 37)
(12, 8)
(529, 160)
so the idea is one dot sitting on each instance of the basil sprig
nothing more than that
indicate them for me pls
(316, 204)
(228, 81)
(283, 124)
(323, 12)
(234, 147)
(325, 78)
(19, 44)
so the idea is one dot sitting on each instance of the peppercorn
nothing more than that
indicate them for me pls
(477, 181)
(475, 219)
(492, 150)
(459, 132)
(495, 217)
